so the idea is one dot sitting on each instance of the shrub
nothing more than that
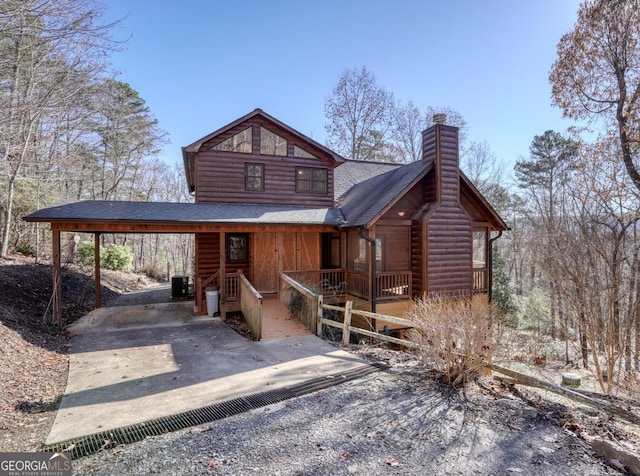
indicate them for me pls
(536, 312)
(504, 306)
(117, 258)
(25, 249)
(454, 334)
(85, 253)
(154, 272)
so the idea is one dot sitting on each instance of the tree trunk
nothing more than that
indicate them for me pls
(7, 218)
(584, 350)
(552, 323)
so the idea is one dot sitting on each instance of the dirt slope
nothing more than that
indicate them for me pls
(33, 355)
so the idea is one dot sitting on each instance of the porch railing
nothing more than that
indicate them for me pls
(201, 285)
(480, 280)
(251, 305)
(390, 286)
(229, 289)
(299, 298)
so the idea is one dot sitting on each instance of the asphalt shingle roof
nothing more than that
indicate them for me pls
(202, 213)
(364, 200)
(362, 191)
(351, 172)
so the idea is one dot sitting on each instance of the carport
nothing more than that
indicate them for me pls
(98, 217)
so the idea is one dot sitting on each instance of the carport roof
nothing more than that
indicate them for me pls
(185, 213)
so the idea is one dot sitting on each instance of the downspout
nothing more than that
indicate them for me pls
(490, 284)
(373, 269)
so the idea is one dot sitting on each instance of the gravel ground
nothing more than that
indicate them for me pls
(393, 422)
(401, 421)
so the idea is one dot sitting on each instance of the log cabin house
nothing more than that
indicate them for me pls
(270, 201)
(379, 233)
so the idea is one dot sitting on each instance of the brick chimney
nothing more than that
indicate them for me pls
(440, 145)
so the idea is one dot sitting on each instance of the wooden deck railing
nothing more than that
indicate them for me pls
(480, 280)
(390, 286)
(358, 284)
(251, 305)
(231, 288)
(201, 285)
(322, 280)
(300, 299)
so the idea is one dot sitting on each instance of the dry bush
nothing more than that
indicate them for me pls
(154, 272)
(454, 334)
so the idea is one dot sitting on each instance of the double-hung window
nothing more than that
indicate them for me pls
(254, 177)
(311, 180)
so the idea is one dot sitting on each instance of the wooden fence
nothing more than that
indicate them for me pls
(347, 328)
(251, 305)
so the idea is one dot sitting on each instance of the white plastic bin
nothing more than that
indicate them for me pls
(212, 294)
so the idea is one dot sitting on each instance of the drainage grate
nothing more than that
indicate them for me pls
(90, 444)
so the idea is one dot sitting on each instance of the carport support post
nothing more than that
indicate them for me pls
(57, 292)
(96, 267)
(223, 268)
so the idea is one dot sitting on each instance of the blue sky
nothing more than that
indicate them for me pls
(202, 64)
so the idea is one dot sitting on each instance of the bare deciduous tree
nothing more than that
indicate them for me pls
(358, 111)
(408, 122)
(597, 73)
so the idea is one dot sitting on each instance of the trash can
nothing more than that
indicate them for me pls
(212, 294)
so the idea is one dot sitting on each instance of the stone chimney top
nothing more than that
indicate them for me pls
(440, 118)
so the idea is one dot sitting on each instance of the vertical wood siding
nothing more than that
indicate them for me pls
(283, 251)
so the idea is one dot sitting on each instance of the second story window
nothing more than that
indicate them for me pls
(254, 177)
(240, 142)
(311, 180)
(300, 152)
(272, 144)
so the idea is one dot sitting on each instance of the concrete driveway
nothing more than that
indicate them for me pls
(133, 364)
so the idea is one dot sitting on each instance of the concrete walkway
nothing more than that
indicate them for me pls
(135, 363)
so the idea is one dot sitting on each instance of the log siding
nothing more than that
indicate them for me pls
(448, 226)
(220, 175)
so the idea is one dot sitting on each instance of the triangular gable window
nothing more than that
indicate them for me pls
(300, 152)
(240, 142)
(272, 144)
